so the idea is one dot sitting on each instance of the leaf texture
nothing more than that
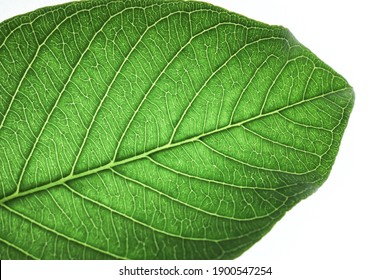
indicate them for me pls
(157, 130)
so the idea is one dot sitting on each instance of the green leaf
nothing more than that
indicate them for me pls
(157, 130)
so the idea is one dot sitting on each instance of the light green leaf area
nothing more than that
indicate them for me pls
(157, 130)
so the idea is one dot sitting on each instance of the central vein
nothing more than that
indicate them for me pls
(167, 146)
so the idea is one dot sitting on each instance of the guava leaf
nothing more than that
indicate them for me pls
(157, 130)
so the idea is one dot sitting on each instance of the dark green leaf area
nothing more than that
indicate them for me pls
(157, 130)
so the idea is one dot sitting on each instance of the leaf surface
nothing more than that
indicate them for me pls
(157, 130)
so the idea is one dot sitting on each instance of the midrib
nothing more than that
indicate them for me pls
(148, 153)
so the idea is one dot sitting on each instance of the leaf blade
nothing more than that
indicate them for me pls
(194, 136)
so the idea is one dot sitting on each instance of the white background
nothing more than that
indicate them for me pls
(343, 230)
